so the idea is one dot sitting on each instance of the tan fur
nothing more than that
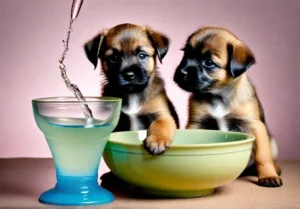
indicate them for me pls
(156, 104)
(243, 102)
(151, 65)
(197, 110)
(160, 132)
(127, 38)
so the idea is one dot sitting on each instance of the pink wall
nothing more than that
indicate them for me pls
(30, 46)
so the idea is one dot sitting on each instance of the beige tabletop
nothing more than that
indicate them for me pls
(23, 180)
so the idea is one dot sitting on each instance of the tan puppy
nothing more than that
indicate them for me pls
(128, 57)
(223, 98)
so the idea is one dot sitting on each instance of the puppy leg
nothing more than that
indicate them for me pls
(267, 175)
(160, 134)
(192, 126)
(274, 151)
(193, 120)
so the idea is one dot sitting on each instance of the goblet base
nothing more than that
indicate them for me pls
(76, 191)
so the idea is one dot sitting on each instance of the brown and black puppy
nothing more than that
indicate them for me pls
(128, 57)
(223, 98)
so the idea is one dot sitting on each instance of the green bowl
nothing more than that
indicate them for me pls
(197, 162)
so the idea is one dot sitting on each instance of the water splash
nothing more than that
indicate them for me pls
(72, 87)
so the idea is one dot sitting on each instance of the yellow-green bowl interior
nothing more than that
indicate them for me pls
(185, 138)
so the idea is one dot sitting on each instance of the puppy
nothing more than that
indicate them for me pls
(128, 57)
(223, 98)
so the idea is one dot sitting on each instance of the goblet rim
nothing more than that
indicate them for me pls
(66, 100)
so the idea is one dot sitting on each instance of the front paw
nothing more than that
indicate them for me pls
(273, 181)
(155, 145)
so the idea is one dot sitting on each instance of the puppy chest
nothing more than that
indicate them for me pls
(224, 124)
(220, 118)
(217, 118)
(218, 110)
(134, 123)
(138, 119)
(133, 106)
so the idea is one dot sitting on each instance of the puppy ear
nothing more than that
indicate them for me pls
(160, 43)
(92, 49)
(240, 59)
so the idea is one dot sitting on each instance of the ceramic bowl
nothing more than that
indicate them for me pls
(197, 162)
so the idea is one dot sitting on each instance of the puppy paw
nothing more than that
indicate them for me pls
(273, 181)
(156, 145)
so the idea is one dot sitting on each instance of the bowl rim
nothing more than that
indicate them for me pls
(60, 100)
(250, 138)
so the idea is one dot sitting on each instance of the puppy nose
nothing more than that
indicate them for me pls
(129, 75)
(191, 70)
(183, 71)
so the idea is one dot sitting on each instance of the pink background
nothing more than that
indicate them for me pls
(30, 46)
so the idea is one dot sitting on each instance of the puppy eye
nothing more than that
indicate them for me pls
(142, 55)
(114, 58)
(209, 63)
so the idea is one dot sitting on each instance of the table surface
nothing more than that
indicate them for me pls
(23, 180)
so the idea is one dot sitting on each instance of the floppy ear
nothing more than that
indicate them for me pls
(92, 48)
(240, 59)
(160, 43)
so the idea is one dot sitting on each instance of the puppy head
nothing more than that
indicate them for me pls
(128, 54)
(213, 58)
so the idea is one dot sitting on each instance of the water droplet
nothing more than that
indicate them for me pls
(62, 66)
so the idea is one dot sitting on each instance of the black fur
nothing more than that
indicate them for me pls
(146, 120)
(117, 80)
(208, 123)
(91, 50)
(123, 124)
(233, 124)
(235, 67)
(237, 124)
(161, 51)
